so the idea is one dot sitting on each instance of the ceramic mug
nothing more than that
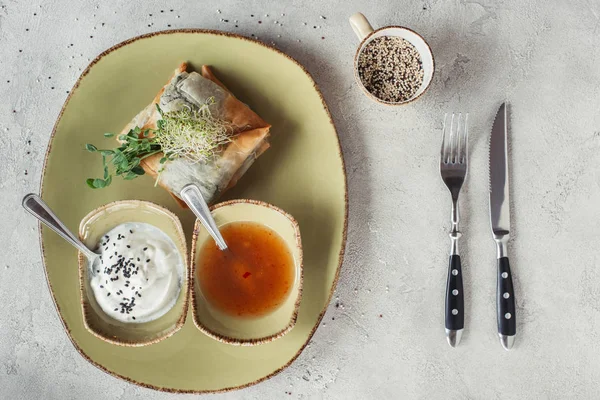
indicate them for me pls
(366, 33)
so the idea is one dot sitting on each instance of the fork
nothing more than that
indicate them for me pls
(454, 156)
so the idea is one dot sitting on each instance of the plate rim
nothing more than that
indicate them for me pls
(344, 229)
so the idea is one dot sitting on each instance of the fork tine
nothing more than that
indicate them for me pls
(443, 149)
(454, 139)
(457, 155)
(465, 159)
(451, 147)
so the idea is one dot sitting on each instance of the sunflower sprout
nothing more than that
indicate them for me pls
(192, 134)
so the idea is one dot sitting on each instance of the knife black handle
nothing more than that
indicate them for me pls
(455, 303)
(505, 299)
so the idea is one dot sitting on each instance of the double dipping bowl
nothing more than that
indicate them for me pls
(208, 319)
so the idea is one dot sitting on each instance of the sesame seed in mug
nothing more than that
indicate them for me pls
(390, 68)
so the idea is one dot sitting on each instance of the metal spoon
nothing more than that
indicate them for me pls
(193, 198)
(39, 209)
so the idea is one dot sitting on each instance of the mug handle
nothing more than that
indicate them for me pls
(360, 25)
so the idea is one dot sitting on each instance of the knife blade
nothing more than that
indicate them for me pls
(500, 222)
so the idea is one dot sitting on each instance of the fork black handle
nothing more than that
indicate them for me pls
(505, 299)
(455, 303)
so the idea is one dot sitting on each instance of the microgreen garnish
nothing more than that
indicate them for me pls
(189, 133)
(125, 159)
(193, 134)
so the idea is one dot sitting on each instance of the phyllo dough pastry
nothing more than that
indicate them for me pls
(248, 134)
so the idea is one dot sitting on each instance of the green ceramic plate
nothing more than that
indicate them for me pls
(302, 173)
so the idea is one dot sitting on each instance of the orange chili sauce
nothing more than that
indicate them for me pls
(253, 277)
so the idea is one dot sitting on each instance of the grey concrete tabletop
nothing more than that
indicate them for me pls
(383, 334)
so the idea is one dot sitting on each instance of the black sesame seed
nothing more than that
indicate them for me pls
(148, 260)
(108, 294)
(130, 231)
(133, 317)
(145, 248)
(128, 246)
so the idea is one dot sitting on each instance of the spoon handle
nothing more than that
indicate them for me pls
(193, 198)
(39, 209)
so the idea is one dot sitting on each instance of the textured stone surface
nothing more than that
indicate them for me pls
(386, 338)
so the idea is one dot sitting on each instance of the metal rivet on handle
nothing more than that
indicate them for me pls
(507, 315)
(506, 295)
(505, 275)
(455, 292)
(455, 312)
(454, 272)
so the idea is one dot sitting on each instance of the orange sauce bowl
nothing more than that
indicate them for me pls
(249, 294)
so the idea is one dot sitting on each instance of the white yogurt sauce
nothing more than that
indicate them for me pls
(140, 274)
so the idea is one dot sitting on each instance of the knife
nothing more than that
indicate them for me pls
(500, 221)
